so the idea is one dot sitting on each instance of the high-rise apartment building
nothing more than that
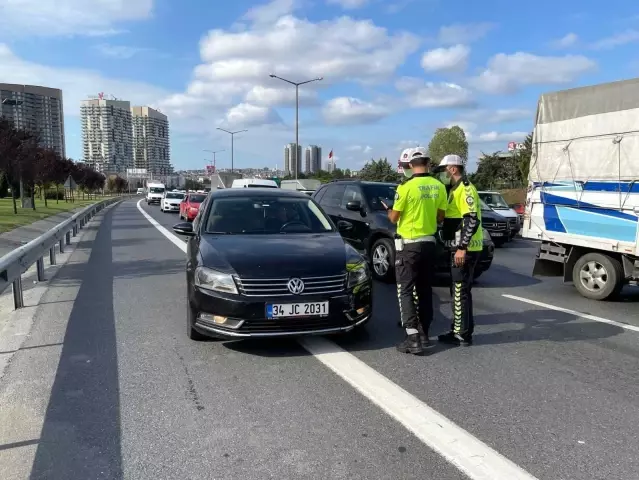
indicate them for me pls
(151, 148)
(107, 135)
(313, 159)
(331, 165)
(292, 159)
(38, 110)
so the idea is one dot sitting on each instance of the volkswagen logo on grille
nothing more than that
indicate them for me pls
(295, 286)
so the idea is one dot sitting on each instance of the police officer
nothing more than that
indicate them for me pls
(420, 204)
(462, 227)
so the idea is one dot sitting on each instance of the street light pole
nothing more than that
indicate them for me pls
(232, 134)
(298, 161)
(214, 152)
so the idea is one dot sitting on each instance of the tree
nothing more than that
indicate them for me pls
(379, 171)
(4, 185)
(498, 170)
(49, 169)
(448, 141)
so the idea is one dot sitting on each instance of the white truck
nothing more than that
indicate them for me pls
(154, 192)
(306, 185)
(583, 195)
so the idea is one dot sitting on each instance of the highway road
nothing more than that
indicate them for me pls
(107, 385)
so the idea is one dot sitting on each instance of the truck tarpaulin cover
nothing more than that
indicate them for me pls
(587, 133)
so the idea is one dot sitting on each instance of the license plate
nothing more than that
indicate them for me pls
(281, 310)
(496, 234)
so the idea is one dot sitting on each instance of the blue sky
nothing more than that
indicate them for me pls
(394, 70)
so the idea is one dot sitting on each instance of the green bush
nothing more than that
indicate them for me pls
(53, 195)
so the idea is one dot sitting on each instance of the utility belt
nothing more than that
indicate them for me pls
(400, 242)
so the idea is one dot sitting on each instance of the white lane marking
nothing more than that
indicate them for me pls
(573, 312)
(170, 235)
(467, 453)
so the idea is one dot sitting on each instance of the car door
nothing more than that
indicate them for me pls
(331, 201)
(183, 205)
(358, 218)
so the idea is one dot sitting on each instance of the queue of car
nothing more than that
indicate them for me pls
(264, 261)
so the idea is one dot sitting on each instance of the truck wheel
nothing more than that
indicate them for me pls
(383, 257)
(598, 276)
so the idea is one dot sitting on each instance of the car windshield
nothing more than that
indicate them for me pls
(483, 205)
(377, 194)
(197, 198)
(494, 200)
(175, 195)
(266, 215)
(156, 190)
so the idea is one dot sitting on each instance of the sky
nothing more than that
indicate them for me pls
(393, 70)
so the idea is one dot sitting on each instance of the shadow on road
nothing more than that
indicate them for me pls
(499, 276)
(81, 433)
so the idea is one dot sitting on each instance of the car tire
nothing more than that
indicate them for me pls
(383, 260)
(592, 266)
(191, 332)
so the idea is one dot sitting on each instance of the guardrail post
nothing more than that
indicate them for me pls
(40, 268)
(68, 235)
(18, 299)
(61, 245)
(75, 229)
(52, 255)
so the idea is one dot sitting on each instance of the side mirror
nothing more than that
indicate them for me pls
(354, 206)
(185, 228)
(344, 226)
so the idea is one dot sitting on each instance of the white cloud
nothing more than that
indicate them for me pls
(460, 33)
(617, 40)
(236, 64)
(452, 59)
(121, 52)
(491, 137)
(506, 74)
(247, 115)
(359, 148)
(566, 41)
(272, 97)
(497, 116)
(348, 110)
(70, 17)
(421, 94)
(75, 83)
(348, 4)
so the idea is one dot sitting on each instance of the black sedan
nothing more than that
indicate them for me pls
(269, 262)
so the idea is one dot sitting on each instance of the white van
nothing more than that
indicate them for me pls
(253, 183)
(495, 201)
(155, 192)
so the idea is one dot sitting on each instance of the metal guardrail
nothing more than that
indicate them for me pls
(14, 264)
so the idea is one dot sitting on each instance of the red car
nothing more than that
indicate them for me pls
(520, 208)
(191, 205)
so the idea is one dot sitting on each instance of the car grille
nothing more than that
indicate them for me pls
(277, 287)
(293, 324)
(496, 226)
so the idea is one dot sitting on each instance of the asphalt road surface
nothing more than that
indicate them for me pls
(122, 393)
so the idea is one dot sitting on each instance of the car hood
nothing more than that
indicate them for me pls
(492, 215)
(173, 200)
(277, 256)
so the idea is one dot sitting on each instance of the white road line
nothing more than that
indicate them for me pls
(573, 312)
(467, 453)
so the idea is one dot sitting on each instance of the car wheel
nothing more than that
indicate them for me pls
(191, 332)
(383, 259)
(598, 276)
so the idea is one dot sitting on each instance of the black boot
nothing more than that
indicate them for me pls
(452, 338)
(423, 337)
(411, 344)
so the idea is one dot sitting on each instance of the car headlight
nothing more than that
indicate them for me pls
(358, 273)
(487, 236)
(212, 280)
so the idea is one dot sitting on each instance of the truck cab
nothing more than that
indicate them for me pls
(155, 192)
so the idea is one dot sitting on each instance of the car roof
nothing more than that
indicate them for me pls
(264, 192)
(360, 182)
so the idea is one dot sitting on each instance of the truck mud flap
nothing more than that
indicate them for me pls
(550, 261)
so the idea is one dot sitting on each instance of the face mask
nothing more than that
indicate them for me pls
(444, 178)
(408, 172)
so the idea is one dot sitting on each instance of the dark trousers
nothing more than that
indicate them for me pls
(461, 293)
(414, 268)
